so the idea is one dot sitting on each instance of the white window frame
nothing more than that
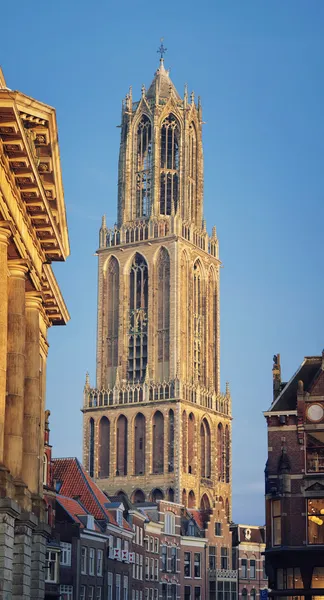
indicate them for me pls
(52, 557)
(84, 555)
(125, 587)
(91, 592)
(82, 592)
(91, 561)
(110, 586)
(66, 554)
(99, 562)
(169, 523)
(117, 586)
(67, 590)
(98, 592)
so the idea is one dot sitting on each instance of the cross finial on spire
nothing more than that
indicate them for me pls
(161, 50)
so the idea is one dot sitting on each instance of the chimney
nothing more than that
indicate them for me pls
(276, 376)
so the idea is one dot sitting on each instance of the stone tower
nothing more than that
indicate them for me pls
(156, 425)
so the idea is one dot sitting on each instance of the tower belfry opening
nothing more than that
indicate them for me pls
(157, 407)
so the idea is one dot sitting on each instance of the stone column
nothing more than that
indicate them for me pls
(38, 558)
(9, 510)
(13, 438)
(32, 400)
(21, 573)
(4, 240)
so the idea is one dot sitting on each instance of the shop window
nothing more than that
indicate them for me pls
(315, 521)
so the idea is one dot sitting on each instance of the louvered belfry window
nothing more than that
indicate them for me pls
(138, 319)
(169, 177)
(143, 167)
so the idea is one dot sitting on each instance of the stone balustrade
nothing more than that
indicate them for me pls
(132, 393)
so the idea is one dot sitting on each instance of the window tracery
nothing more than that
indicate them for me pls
(143, 167)
(169, 164)
(112, 295)
(192, 172)
(205, 449)
(212, 330)
(163, 314)
(138, 318)
(198, 317)
(184, 317)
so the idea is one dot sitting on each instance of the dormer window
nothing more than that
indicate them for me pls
(169, 523)
(191, 528)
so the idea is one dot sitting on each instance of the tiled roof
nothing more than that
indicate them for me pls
(198, 517)
(76, 482)
(72, 507)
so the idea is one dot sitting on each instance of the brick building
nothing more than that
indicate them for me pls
(33, 234)
(294, 482)
(248, 559)
(156, 425)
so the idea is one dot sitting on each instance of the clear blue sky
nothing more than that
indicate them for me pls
(258, 67)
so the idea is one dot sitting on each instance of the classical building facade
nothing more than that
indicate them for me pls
(156, 425)
(33, 233)
(295, 482)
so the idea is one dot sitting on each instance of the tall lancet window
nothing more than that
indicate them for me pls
(198, 304)
(169, 178)
(138, 305)
(212, 330)
(143, 167)
(112, 295)
(192, 173)
(163, 314)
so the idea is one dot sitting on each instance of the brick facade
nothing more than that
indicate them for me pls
(294, 481)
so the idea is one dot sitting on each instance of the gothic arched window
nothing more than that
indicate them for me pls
(171, 442)
(191, 445)
(169, 177)
(220, 451)
(184, 317)
(184, 440)
(192, 172)
(227, 454)
(139, 443)
(205, 449)
(191, 500)
(104, 447)
(138, 305)
(91, 447)
(163, 314)
(198, 305)
(121, 446)
(158, 442)
(112, 294)
(143, 167)
(212, 330)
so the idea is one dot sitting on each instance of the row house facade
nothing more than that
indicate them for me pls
(248, 559)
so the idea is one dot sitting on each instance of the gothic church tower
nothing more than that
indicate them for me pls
(156, 425)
